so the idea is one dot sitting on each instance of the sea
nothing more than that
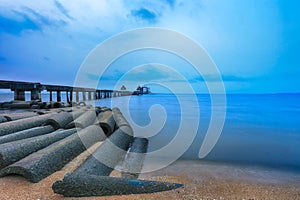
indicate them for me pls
(259, 129)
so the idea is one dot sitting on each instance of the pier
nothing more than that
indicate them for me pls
(19, 88)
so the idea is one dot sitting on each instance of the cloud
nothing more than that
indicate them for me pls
(143, 73)
(170, 2)
(215, 78)
(16, 27)
(144, 14)
(63, 10)
(245, 39)
(43, 20)
(93, 77)
(27, 19)
(149, 73)
(150, 11)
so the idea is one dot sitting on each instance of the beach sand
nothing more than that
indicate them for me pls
(202, 180)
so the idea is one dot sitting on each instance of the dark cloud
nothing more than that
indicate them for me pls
(62, 9)
(145, 15)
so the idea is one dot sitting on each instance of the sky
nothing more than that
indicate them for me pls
(254, 43)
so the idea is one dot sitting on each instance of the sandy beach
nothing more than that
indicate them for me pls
(202, 180)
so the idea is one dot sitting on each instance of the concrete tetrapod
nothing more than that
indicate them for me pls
(28, 133)
(21, 115)
(84, 185)
(60, 120)
(133, 163)
(3, 119)
(16, 150)
(81, 158)
(107, 156)
(77, 113)
(22, 124)
(106, 121)
(86, 119)
(46, 161)
(20, 105)
(119, 118)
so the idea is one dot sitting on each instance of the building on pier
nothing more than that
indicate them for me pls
(142, 90)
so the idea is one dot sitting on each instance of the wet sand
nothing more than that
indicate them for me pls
(202, 180)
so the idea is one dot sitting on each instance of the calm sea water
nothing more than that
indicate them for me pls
(259, 129)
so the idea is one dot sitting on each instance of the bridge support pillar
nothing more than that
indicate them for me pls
(83, 96)
(77, 96)
(89, 95)
(58, 98)
(35, 95)
(71, 96)
(19, 95)
(50, 95)
(67, 96)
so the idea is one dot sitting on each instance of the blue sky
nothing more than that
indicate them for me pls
(254, 43)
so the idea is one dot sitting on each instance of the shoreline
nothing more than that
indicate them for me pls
(202, 180)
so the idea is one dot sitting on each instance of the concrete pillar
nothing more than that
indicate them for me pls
(95, 95)
(35, 95)
(19, 95)
(77, 96)
(71, 96)
(89, 95)
(67, 95)
(58, 96)
(50, 96)
(83, 96)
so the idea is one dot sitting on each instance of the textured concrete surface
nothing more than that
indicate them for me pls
(107, 156)
(106, 121)
(83, 185)
(28, 133)
(60, 120)
(2, 119)
(134, 160)
(21, 115)
(16, 150)
(22, 124)
(42, 163)
(86, 119)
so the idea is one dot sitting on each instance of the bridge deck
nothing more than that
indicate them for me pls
(35, 88)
